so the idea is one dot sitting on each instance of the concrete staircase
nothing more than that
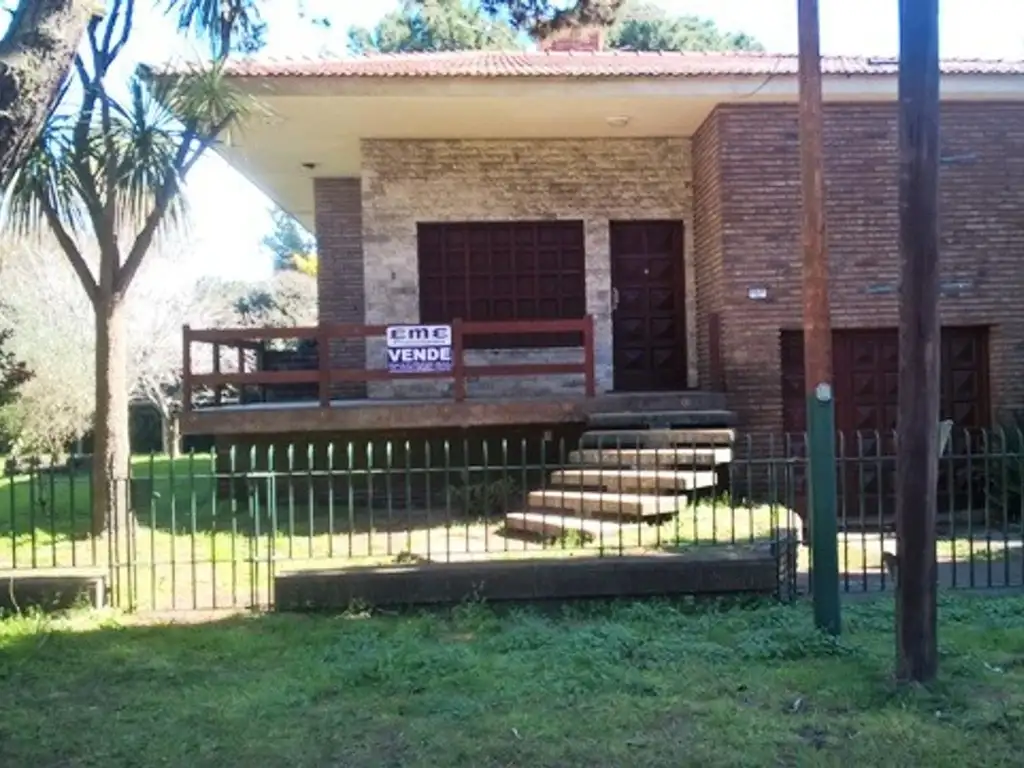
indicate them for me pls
(632, 467)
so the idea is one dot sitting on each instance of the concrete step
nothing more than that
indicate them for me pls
(605, 503)
(661, 419)
(652, 457)
(661, 401)
(657, 481)
(657, 438)
(551, 525)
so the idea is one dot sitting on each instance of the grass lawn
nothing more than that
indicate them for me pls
(644, 684)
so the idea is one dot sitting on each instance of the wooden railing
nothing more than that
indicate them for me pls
(248, 343)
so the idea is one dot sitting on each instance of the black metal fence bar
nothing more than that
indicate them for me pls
(211, 531)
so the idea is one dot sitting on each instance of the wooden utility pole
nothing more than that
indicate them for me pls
(917, 460)
(821, 438)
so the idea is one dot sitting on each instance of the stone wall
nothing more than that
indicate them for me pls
(596, 181)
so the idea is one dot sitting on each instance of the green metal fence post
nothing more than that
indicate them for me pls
(821, 456)
(272, 539)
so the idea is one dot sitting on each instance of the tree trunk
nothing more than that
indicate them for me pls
(35, 56)
(112, 452)
(170, 427)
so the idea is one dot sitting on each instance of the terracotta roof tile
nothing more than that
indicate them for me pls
(477, 64)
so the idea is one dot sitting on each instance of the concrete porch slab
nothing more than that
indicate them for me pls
(605, 439)
(610, 504)
(633, 480)
(676, 456)
(553, 525)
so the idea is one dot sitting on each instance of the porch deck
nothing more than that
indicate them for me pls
(244, 390)
(342, 415)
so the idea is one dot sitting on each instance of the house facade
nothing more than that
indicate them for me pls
(657, 194)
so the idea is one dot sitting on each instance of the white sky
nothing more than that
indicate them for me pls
(230, 216)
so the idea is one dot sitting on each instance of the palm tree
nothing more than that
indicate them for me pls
(225, 25)
(36, 52)
(40, 42)
(104, 166)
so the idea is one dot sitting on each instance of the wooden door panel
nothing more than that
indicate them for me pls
(502, 271)
(648, 332)
(866, 375)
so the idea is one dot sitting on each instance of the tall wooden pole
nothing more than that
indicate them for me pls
(821, 438)
(917, 460)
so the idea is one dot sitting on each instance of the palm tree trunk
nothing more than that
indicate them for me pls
(35, 56)
(112, 452)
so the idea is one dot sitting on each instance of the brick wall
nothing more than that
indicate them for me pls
(982, 234)
(339, 237)
(405, 182)
(707, 240)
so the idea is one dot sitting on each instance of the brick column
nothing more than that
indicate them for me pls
(339, 237)
(708, 246)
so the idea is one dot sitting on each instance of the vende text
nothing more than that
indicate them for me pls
(420, 355)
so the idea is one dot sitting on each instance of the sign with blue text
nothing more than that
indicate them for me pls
(419, 348)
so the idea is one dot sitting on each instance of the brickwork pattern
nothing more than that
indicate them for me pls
(340, 279)
(593, 180)
(707, 238)
(758, 226)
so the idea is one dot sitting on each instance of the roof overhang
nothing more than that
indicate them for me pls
(311, 126)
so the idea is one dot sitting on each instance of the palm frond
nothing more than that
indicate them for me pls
(117, 165)
(145, 141)
(46, 181)
(203, 99)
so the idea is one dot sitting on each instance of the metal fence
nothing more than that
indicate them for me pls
(211, 531)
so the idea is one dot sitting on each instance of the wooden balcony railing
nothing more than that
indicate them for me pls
(249, 346)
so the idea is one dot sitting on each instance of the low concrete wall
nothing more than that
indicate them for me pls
(52, 590)
(751, 569)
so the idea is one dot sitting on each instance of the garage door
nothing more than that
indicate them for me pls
(866, 372)
(501, 271)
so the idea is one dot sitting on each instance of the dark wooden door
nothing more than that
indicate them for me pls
(502, 271)
(648, 331)
(866, 371)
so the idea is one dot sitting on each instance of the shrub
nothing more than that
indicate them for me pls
(483, 499)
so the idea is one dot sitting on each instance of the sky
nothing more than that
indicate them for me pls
(230, 216)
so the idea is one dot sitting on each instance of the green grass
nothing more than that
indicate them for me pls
(644, 684)
(56, 505)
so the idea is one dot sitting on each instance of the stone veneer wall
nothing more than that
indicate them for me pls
(593, 180)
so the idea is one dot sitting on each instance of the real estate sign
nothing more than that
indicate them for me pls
(419, 348)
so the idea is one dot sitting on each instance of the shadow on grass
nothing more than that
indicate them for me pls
(189, 496)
